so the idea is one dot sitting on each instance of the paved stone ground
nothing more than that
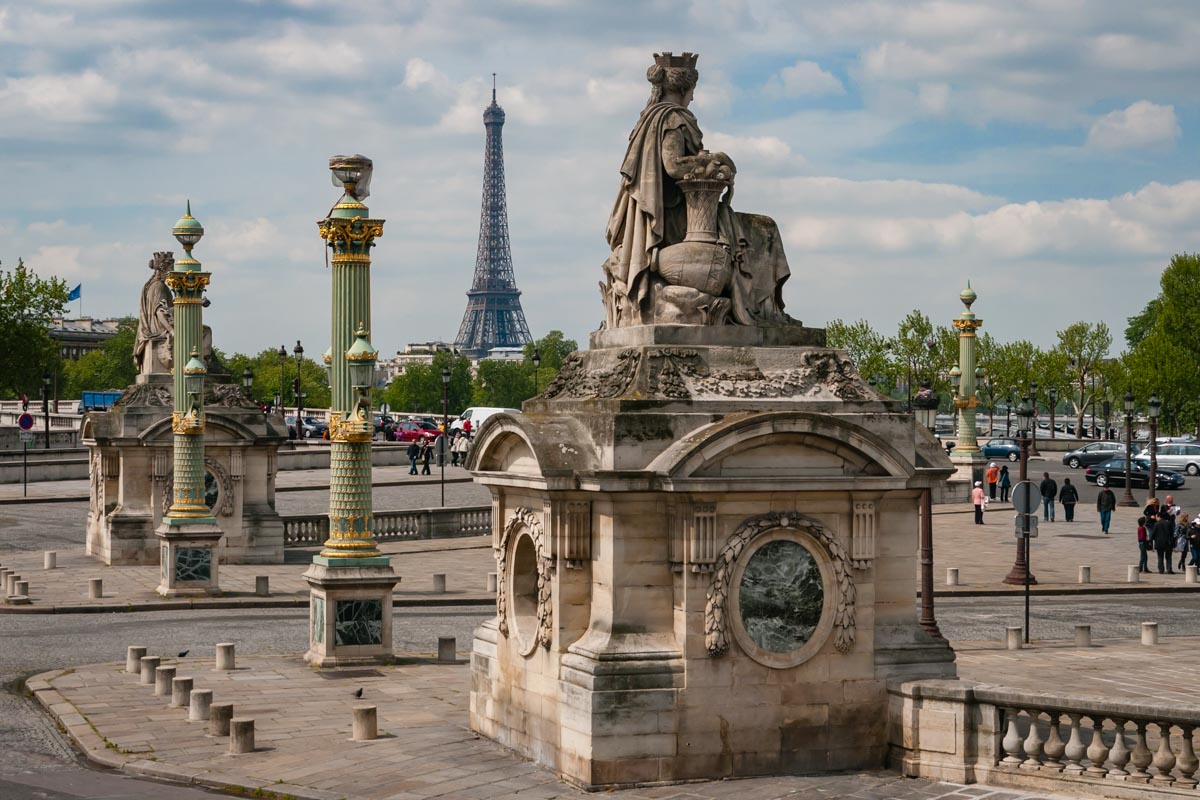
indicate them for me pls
(302, 729)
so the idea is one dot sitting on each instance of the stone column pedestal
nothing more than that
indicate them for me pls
(350, 611)
(188, 559)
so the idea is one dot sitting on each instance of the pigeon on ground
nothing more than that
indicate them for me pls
(358, 693)
(184, 653)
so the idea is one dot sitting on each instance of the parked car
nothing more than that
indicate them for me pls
(1179, 457)
(310, 427)
(384, 424)
(1112, 473)
(1096, 453)
(1002, 448)
(408, 431)
(477, 415)
(1187, 437)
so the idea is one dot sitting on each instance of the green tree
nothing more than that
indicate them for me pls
(110, 367)
(1081, 348)
(419, 389)
(553, 350)
(869, 350)
(1140, 325)
(27, 305)
(266, 373)
(920, 350)
(504, 384)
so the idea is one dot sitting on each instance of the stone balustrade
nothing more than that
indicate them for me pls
(312, 530)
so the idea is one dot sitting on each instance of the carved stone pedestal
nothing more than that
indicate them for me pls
(188, 559)
(706, 555)
(350, 612)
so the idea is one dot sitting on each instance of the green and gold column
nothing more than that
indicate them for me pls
(966, 400)
(351, 580)
(189, 535)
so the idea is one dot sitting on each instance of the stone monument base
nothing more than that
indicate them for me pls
(188, 557)
(350, 611)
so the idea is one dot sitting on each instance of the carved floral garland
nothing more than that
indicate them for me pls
(716, 633)
(525, 518)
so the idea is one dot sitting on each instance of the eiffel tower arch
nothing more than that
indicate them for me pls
(493, 317)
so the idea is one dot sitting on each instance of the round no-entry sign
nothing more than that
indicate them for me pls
(25, 422)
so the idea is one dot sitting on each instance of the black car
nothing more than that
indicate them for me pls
(385, 424)
(1112, 473)
(1096, 453)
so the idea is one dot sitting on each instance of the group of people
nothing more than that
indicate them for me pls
(999, 480)
(424, 451)
(1166, 529)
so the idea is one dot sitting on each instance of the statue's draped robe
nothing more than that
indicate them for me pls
(649, 214)
(154, 316)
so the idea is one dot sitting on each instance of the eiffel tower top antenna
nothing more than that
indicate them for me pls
(493, 87)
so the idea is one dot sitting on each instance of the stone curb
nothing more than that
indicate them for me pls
(249, 602)
(1064, 589)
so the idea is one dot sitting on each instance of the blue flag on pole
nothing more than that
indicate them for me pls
(76, 293)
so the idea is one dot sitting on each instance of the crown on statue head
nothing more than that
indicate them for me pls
(684, 61)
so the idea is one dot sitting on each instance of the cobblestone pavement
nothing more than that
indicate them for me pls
(302, 729)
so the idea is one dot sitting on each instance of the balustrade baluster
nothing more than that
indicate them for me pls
(1187, 762)
(1055, 746)
(1141, 756)
(1012, 740)
(1075, 750)
(1118, 757)
(1033, 742)
(1164, 759)
(1097, 751)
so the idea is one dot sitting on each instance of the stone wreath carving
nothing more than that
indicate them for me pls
(227, 395)
(145, 394)
(224, 488)
(716, 626)
(680, 372)
(531, 521)
(575, 380)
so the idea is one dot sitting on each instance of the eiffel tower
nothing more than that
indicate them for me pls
(493, 317)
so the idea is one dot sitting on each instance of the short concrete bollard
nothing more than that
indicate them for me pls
(162, 680)
(1190, 575)
(241, 736)
(181, 693)
(219, 715)
(952, 576)
(366, 725)
(49, 559)
(149, 668)
(10, 585)
(447, 648)
(225, 656)
(1085, 573)
(1083, 635)
(1150, 633)
(133, 659)
(491, 582)
(1013, 638)
(95, 588)
(262, 585)
(21, 588)
(439, 584)
(1132, 574)
(200, 705)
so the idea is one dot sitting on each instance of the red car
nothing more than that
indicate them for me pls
(409, 431)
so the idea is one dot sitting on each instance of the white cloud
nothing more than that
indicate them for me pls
(771, 149)
(73, 98)
(1143, 124)
(418, 72)
(807, 79)
(319, 53)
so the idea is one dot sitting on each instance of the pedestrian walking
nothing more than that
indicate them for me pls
(1005, 484)
(461, 445)
(413, 452)
(1049, 490)
(1181, 540)
(1068, 496)
(993, 477)
(1194, 540)
(1162, 535)
(453, 453)
(1143, 539)
(426, 457)
(1106, 503)
(978, 498)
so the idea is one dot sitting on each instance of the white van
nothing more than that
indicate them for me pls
(477, 415)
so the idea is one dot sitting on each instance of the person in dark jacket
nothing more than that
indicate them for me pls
(1005, 484)
(413, 452)
(1162, 535)
(1068, 496)
(426, 456)
(1049, 491)
(1106, 503)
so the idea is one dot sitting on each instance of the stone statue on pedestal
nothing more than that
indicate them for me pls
(154, 342)
(680, 253)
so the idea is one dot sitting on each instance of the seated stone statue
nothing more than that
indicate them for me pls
(680, 254)
(153, 347)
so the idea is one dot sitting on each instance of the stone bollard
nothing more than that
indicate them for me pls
(95, 588)
(200, 705)
(1014, 638)
(133, 659)
(162, 681)
(366, 725)
(1190, 575)
(4, 573)
(952, 576)
(439, 584)
(262, 585)
(1132, 574)
(10, 585)
(1085, 573)
(225, 657)
(1083, 635)
(241, 736)
(447, 648)
(49, 559)
(219, 715)
(491, 583)
(21, 588)
(149, 667)
(181, 693)
(1150, 633)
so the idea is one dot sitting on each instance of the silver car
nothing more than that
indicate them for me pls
(1179, 458)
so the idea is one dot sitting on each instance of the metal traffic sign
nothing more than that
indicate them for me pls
(1026, 497)
(25, 422)
(26, 436)
(1019, 525)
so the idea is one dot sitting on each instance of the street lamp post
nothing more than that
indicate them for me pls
(537, 362)
(1053, 406)
(299, 352)
(1155, 407)
(1020, 573)
(1127, 498)
(1095, 430)
(1033, 387)
(925, 406)
(46, 406)
(1008, 401)
(445, 428)
(279, 406)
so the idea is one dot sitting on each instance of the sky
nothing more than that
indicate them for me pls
(1044, 150)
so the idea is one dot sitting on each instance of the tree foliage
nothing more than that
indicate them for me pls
(27, 305)
(267, 372)
(109, 367)
(419, 389)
